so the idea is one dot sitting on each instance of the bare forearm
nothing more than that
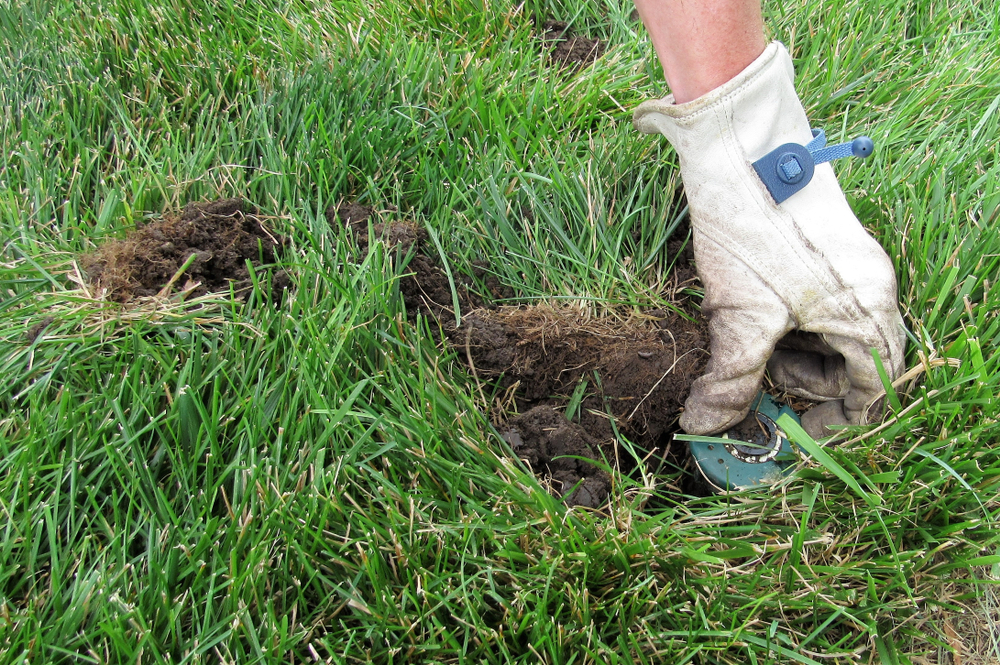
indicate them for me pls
(701, 44)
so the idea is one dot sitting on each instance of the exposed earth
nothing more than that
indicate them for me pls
(568, 48)
(631, 375)
(218, 238)
(617, 377)
(544, 439)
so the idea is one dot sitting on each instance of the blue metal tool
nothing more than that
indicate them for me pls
(758, 454)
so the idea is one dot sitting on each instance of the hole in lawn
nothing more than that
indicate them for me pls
(213, 240)
(567, 48)
(557, 450)
(630, 375)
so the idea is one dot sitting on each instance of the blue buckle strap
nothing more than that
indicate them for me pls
(790, 167)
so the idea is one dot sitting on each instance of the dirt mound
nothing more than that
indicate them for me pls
(212, 242)
(352, 214)
(569, 49)
(555, 448)
(631, 376)
(426, 288)
(400, 234)
(638, 372)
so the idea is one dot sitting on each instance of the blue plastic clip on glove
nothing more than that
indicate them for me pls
(777, 258)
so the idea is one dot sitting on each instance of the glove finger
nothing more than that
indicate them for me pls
(811, 375)
(862, 375)
(848, 377)
(741, 342)
(816, 421)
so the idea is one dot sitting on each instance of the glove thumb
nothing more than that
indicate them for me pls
(741, 342)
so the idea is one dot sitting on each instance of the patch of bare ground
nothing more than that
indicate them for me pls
(566, 48)
(203, 249)
(632, 374)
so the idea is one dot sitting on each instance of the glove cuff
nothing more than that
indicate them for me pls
(751, 114)
(644, 121)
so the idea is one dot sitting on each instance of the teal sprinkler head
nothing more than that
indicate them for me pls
(758, 453)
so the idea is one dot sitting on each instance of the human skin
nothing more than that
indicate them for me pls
(733, 102)
(701, 44)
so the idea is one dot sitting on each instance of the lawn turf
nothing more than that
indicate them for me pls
(242, 482)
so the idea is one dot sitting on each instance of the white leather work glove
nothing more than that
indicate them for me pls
(769, 268)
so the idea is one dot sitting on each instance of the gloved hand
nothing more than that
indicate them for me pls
(805, 264)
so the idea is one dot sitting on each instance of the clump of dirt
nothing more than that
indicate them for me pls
(426, 289)
(557, 450)
(638, 372)
(35, 331)
(569, 49)
(751, 430)
(632, 376)
(354, 216)
(214, 240)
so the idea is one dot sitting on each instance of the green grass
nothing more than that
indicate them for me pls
(318, 481)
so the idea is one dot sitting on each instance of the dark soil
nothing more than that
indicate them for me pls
(684, 273)
(221, 235)
(553, 447)
(354, 216)
(751, 430)
(36, 330)
(427, 289)
(568, 49)
(638, 371)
